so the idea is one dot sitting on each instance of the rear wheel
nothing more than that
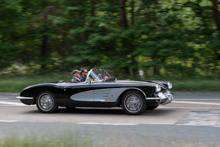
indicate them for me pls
(46, 102)
(133, 102)
(152, 107)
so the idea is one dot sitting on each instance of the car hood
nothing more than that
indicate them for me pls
(164, 84)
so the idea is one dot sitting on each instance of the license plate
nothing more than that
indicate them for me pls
(161, 95)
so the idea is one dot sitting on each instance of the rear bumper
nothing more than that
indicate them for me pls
(162, 98)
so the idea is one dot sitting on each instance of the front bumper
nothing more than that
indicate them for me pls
(26, 100)
(166, 97)
(162, 98)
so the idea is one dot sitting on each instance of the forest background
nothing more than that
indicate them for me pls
(176, 40)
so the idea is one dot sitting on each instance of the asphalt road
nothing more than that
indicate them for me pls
(192, 119)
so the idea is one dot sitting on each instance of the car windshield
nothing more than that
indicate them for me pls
(97, 74)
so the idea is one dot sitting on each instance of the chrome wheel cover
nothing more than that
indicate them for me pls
(46, 102)
(133, 103)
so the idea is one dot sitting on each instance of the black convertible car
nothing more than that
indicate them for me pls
(99, 90)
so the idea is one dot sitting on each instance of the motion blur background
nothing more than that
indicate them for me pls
(175, 40)
(167, 39)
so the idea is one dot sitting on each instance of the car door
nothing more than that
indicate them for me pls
(82, 92)
(106, 92)
(101, 95)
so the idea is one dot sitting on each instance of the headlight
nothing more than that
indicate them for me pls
(158, 88)
(169, 85)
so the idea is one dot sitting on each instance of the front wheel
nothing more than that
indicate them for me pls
(46, 102)
(133, 102)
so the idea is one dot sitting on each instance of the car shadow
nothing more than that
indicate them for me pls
(110, 111)
(90, 111)
(82, 111)
(158, 112)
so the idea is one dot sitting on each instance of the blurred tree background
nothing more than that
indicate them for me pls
(160, 37)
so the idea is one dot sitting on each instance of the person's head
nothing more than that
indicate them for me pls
(84, 72)
(76, 73)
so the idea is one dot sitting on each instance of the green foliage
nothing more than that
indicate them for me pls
(164, 36)
(15, 83)
(73, 139)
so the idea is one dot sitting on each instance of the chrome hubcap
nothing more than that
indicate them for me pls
(46, 102)
(133, 103)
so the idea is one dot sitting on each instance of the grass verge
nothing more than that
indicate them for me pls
(17, 83)
(13, 142)
(196, 85)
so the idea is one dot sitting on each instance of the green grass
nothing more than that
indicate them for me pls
(196, 85)
(16, 83)
(46, 142)
(82, 142)
(60, 137)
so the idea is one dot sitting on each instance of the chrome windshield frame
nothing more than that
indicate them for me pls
(91, 70)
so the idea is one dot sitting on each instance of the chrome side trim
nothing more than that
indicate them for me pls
(102, 95)
(83, 96)
(116, 92)
(27, 98)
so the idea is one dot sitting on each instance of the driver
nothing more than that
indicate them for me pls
(76, 76)
(84, 73)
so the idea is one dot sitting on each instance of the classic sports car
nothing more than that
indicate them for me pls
(99, 90)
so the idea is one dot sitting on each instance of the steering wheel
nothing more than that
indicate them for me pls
(106, 77)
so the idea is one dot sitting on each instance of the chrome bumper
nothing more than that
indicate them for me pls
(162, 98)
(27, 98)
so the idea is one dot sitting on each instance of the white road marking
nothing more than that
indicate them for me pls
(217, 100)
(16, 105)
(8, 120)
(208, 108)
(115, 124)
(12, 103)
(205, 125)
(202, 103)
(197, 99)
(186, 102)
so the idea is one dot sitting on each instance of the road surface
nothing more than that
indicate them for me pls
(192, 119)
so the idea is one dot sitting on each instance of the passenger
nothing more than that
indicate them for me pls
(76, 76)
(84, 73)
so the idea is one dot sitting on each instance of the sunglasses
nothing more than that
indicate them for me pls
(85, 72)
